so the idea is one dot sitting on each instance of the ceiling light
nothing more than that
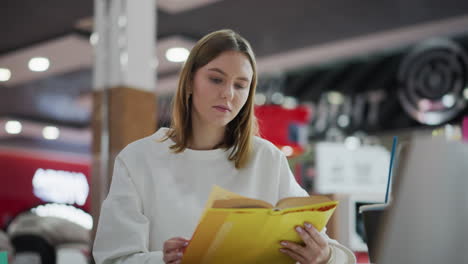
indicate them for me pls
(5, 74)
(13, 127)
(289, 102)
(50, 133)
(343, 121)
(335, 98)
(94, 38)
(39, 64)
(277, 98)
(177, 54)
(352, 142)
(60, 186)
(124, 59)
(260, 99)
(465, 93)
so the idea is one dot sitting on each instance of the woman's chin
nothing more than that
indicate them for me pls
(219, 123)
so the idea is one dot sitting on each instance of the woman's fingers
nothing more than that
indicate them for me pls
(178, 239)
(293, 247)
(315, 235)
(316, 247)
(304, 234)
(173, 250)
(172, 257)
(174, 243)
(293, 254)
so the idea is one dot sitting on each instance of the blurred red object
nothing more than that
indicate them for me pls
(17, 169)
(362, 257)
(286, 128)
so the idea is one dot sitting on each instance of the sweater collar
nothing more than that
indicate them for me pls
(194, 154)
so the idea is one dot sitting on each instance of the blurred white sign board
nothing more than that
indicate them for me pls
(344, 170)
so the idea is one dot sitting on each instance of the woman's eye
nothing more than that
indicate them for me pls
(216, 80)
(238, 86)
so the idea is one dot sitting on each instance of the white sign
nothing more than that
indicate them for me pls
(60, 186)
(344, 170)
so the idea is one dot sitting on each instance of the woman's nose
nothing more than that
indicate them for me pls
(228, 91)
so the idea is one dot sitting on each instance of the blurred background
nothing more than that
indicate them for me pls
(338, 79)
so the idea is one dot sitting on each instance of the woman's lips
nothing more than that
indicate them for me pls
(222, 108)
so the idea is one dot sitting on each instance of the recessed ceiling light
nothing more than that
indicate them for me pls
(335, 98)
(39, 64)
(343, 120)
(94, 38)
(177, 54)
(5, 74)
(277, 98)
(289, 102)
(260, 99)
(50, 132)
(13, 127)
(352, 142)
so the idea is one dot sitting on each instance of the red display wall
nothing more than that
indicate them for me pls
(17, 170)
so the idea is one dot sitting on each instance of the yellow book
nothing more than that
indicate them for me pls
(237, 229)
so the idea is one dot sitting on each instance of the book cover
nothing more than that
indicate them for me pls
(237, 229)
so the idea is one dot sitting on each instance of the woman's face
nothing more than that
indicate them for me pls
(220, 89)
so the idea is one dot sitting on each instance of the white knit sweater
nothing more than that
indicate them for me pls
(156, 195)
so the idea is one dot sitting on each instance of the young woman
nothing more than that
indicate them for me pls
(161, 183)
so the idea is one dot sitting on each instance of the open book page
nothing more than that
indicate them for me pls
(290, 202)
(241, 203)
(218, 193)
(222, 198)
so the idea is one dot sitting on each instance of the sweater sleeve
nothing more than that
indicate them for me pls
(290, 188)
(123, 231)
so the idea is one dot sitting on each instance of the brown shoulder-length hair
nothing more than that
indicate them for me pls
(241, 130)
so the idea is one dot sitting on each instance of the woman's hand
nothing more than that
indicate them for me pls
(315, 251)
(174, 249)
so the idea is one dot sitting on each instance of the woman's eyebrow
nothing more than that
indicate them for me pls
(225, 74)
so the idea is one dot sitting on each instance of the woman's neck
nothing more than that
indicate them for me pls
(206, 138)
